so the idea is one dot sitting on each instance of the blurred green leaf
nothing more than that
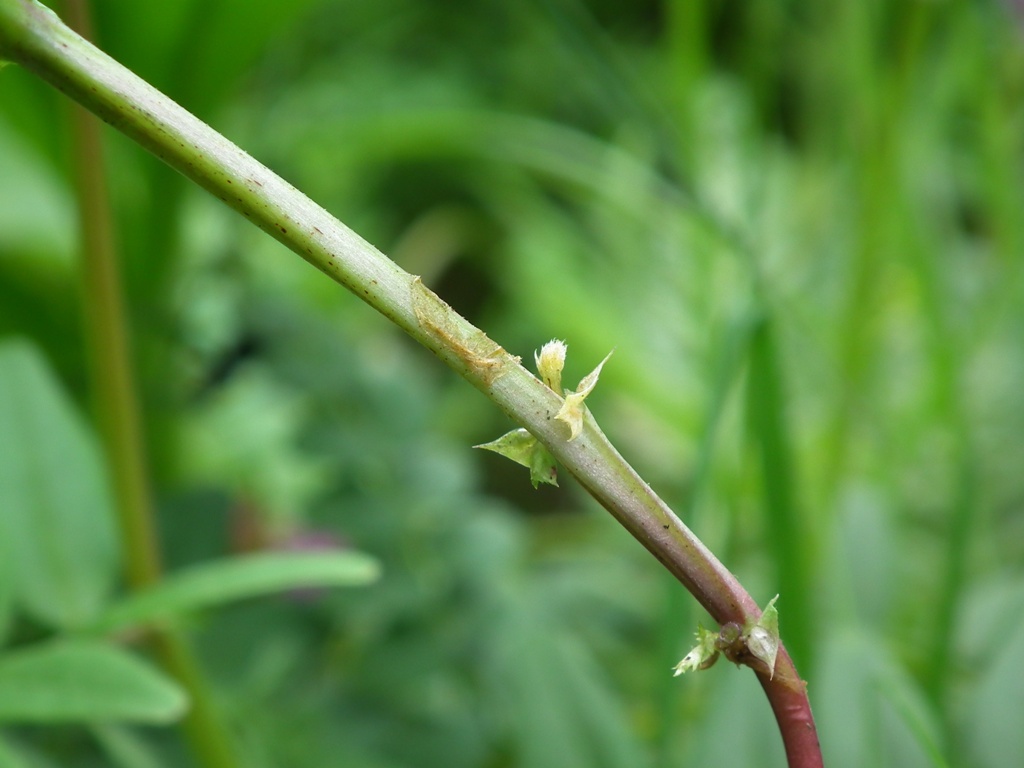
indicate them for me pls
(556, 703)
(243, 435)
(997, 698)
(126, 748)
(78, 681)
(36, 209)
(210, 584)
(866, 523)
(56, 531)
(6, 598)
(729, 713)
(177, 45)
(9, 757)
(869, 711)
(785, 527)
(16, 754)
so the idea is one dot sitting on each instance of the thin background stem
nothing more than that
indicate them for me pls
(116, 402)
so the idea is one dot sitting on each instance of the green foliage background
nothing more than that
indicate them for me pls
(798, 224)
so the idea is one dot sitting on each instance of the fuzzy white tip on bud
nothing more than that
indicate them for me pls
(550, 361)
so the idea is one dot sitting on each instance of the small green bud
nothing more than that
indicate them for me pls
(728, 636)
(550, 361)
(523, 448)
(763, 637)
(571, 412)
(701, 656)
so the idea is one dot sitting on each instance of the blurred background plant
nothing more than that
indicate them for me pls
(797, 223)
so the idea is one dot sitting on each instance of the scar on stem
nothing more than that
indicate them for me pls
(474, 347)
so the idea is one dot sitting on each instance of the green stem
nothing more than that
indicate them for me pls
(107, 342)
(118, 411)
(788, 533)
(35, 38)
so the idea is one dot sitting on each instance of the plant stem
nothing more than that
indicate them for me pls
(787, 532)
(114, 394)
(107, 342)
(35, 38)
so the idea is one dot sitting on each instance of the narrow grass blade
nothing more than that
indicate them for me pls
(210, 584)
